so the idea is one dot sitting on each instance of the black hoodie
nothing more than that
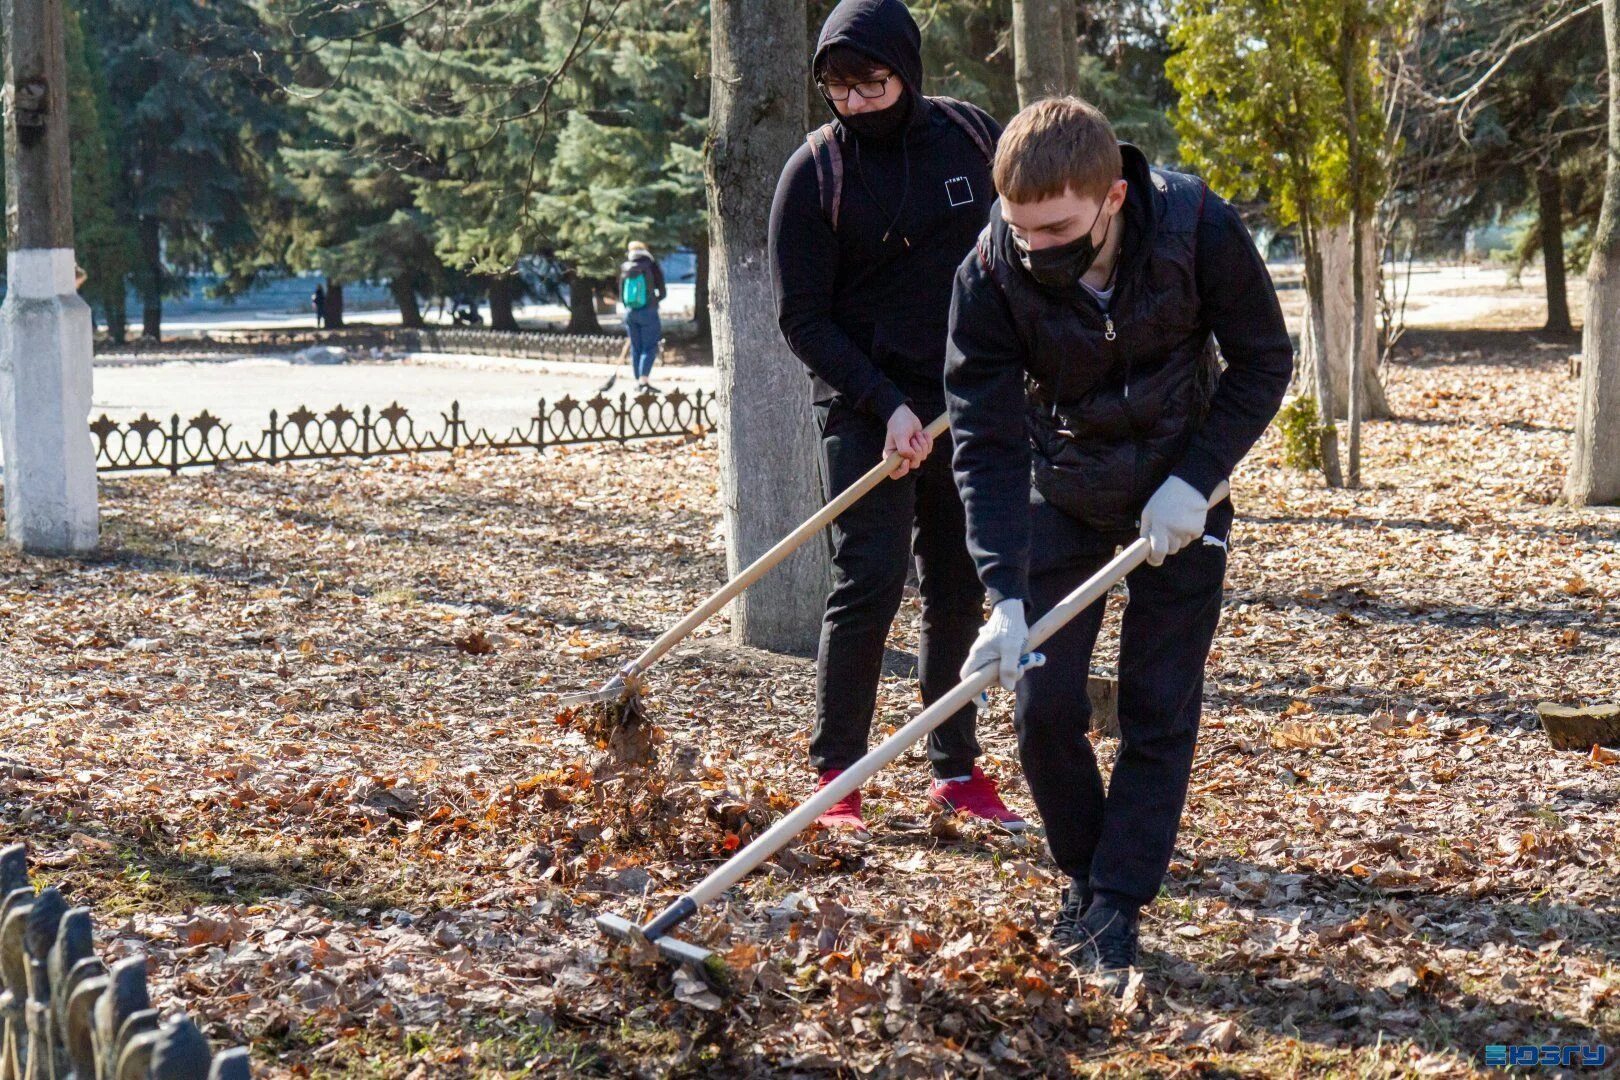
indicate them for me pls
(865, 307)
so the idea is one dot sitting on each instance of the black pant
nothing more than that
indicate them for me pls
(918, 515)
(1121, 842)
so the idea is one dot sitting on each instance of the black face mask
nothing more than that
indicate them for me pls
(1061, 266)
(882, 124)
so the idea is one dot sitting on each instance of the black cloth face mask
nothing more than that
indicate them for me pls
(880, 125)
(1062, 265)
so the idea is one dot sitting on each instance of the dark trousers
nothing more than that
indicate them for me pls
(919, 515)
(644, 328)
(1120, 840)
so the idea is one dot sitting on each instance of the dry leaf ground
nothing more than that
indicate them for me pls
(295, 735)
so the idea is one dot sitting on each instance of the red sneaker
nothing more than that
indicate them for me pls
(976, 796)
(844, 814)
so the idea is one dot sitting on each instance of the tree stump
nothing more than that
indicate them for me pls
(1571, 728)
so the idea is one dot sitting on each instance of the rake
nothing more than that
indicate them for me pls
(704, 962)
(626, 684)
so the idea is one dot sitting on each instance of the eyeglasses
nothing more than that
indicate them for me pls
(875, 88)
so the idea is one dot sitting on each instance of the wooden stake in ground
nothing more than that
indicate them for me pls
(768, 440)
(45, 328)
(1594, 468)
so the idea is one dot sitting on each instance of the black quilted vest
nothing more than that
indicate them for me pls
(1114, 399)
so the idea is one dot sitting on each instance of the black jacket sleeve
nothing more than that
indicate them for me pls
(984, 392)
(1240, 305)
(804, 264)
(659, 289)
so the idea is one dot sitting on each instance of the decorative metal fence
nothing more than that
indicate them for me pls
(301, 435)
(543, 344)
(482, 341)
(65, 1013)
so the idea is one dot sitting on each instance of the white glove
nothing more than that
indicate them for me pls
(1173, 518)
(1002, 641)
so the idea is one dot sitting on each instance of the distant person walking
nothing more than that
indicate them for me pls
(641, 287)
(319, 300)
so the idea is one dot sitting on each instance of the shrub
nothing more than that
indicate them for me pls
(1301, 428)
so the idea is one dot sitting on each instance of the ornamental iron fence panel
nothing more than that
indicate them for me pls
(64, 1012)
(479, 341)
(303, 435)
(540, 344)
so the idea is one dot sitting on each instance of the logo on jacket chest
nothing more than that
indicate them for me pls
(958, 191)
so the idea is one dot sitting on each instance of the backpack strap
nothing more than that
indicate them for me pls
(971, 122)
(829, 170)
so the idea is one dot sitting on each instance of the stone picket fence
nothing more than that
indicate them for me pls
(64, 1015)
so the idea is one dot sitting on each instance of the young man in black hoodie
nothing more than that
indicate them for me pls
(871, 218)
(1089, 407)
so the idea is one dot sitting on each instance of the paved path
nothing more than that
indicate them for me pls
(494, 393)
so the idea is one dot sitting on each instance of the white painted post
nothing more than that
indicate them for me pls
(45, 328)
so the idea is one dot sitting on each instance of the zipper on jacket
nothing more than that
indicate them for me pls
(1109, 335)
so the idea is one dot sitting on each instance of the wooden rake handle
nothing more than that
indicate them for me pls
(958, 697)
(772, 558)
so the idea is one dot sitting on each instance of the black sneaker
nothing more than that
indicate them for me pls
(1107, 943)
(1071, 908)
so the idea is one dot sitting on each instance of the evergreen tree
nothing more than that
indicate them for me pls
(196, 112)
(1530, 137)
(463, 143)
(350, 213)
(628, 163)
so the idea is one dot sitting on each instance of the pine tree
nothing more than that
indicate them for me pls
(196, 112)
(463, 143)
(628, 164)
(351, 214)
(1529, 138)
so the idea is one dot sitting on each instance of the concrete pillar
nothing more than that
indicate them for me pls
(45, 349)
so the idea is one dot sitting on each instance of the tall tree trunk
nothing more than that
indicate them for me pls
(700, 294)
(1594, 470)
(768, 440)
(1317, 365)
(1352, 49)
(149, 279)
(334, 305)
(410, 311)
(117, 312)
(582, 306)
(502, 296)
(1043, 65)
(1069, 36)
(1550, 203)
(1337, 252)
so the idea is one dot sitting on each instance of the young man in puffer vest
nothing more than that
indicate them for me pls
(1089, 406)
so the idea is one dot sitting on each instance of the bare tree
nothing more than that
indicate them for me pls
(1594, 470)
(768, 442)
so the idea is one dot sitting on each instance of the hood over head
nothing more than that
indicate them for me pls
(881, 29)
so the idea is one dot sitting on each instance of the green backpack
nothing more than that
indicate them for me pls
(633, 293)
